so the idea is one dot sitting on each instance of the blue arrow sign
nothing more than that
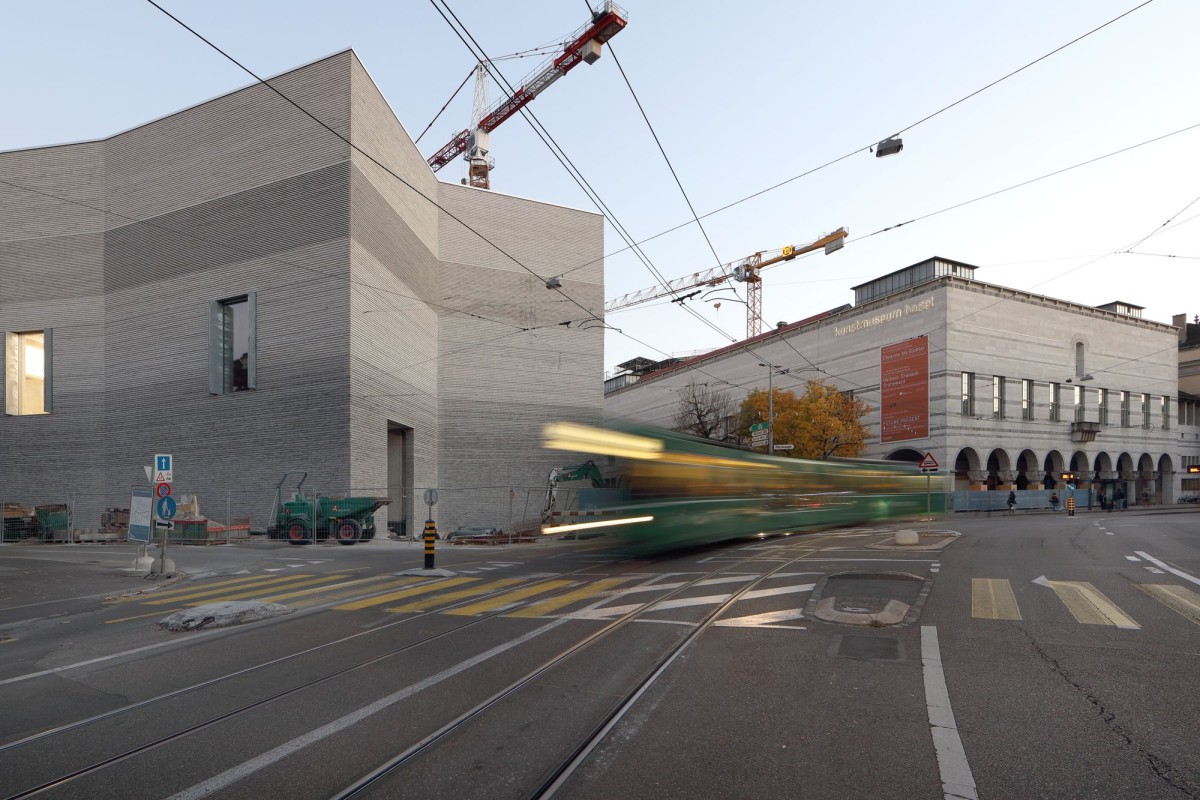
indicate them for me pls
(165, 507)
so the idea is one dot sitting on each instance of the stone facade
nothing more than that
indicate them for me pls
(991, 332)
(393, 348)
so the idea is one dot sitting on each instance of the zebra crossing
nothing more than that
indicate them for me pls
(995, 599)
(776, 604)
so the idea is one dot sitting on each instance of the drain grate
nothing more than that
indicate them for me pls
(866, 648)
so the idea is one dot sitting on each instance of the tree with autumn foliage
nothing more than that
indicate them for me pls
(820, 423)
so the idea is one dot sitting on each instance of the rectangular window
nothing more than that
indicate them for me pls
(1145, 410)
(998, 396)
(1078, 403)
(1102, 402)
(1164, 405)
(968, 394)
(1055, 402)
(27, 372)
(232, 365)
(1026, 399)
(1124, 409)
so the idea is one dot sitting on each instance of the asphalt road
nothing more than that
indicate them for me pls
(1036, 656)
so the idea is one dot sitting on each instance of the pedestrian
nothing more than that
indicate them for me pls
(1120, 496)
(1054, 500)
(1012, 501)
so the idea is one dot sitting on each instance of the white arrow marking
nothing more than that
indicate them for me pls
(765, 620)
(687, 602)
(1041, 581)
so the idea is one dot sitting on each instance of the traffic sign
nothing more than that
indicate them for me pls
(785, 446)
(431, 497)
(164, 524)
(162, 489)
(165, 508)
(163, 468)
(929, 463)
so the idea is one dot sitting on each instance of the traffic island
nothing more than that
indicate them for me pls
(914, 540)
(872, 599)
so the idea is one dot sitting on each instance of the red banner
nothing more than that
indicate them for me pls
(904, 390)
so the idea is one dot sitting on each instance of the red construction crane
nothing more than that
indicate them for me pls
(583, 46)
(745, 270)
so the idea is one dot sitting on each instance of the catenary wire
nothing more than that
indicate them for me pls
(365, 154)
(857, 150)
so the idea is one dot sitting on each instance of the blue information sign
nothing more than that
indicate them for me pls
(166, 508)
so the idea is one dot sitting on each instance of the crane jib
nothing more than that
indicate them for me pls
(605, 25)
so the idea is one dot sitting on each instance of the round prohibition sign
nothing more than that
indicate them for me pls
(162, 489)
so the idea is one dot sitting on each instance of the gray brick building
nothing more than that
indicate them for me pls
(1007, 389)
(236, 285)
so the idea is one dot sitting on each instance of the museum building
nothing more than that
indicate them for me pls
(1006, 389)
(237, 285)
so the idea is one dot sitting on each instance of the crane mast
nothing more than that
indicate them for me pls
(745, 270)
(584, 46)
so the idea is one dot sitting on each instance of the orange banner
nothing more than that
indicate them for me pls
(904, 390)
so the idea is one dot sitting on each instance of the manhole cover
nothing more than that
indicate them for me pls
(866, 648)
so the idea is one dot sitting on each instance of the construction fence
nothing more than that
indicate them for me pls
(219, 517)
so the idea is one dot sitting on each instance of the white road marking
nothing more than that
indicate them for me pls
(957, 781)
(1133, 558)
(686, 602)
(766, 620)
(1109, 533)
(235, 774)
(1169, 568)
(1156, 570)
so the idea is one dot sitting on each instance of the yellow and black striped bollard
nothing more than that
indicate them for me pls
(430, 538)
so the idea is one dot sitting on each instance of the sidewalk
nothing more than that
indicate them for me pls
(1180, 508)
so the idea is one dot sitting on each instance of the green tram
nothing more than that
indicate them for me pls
(682, 491)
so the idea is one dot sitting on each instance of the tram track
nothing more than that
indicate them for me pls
(560, 773)
(149, 703)
(426, 744)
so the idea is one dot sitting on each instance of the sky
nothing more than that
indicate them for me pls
(747, 100)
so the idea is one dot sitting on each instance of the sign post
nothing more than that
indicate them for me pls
(164, 505)
(928, 465)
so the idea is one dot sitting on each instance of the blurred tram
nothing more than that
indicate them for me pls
(681, 491)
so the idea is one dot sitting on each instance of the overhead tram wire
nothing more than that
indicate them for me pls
(365, 154)
(857, 150)
(1026, 183)
(522, 54)
(243, 253)
(478, 52)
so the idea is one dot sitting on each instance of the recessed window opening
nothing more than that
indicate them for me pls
(232, 362)
(27, 371)
(1079, 371)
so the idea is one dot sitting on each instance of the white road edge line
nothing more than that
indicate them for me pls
(1168, 568)
(957, 781)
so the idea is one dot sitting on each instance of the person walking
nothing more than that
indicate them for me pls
(1012, 501)
(1054, 500)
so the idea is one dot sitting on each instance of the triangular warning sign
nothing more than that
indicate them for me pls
(928, 462)
(160, 477)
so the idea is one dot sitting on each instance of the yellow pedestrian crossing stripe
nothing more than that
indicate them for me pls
(177, 595)
(993, 598)
(508, 598)
(547, 607)
(472, 591)
(1180, 600)
(391, 596)
(332, 591)
(1089, 605)
(268, 593)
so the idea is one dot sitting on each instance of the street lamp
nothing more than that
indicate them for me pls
(771, 368)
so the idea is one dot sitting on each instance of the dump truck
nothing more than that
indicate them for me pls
(310, 516)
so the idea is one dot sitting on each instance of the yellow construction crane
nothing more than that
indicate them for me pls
(745, 270)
